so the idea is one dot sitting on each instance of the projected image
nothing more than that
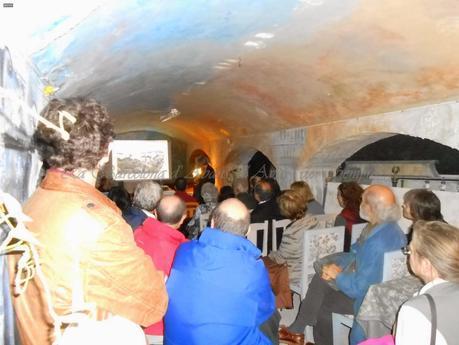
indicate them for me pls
(140, 160)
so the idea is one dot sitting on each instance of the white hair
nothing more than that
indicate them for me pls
(147, 195)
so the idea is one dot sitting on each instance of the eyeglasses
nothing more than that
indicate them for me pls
(406, 250)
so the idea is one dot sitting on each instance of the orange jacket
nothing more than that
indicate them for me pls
(82, 234)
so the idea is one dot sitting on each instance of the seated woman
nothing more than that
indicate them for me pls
(290, 251)
(421, 204)
(311, 205)
(349, 198)
(209, 194)
(434, 257)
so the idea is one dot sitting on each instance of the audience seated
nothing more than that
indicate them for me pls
(146, 197)
(240, 188)
(274, 186)
(267, 208)
(87, 252)
(434, 257)
(226, 192)
(349, 197)
(209, 195)
(180, 187)
(352, 274)
(291, 248)
(159, 238)
(219, 289)
(421, 204)
(312, 205)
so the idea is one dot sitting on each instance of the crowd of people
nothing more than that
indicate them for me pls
(139, 271)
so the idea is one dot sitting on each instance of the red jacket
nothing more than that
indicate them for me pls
(159, 241)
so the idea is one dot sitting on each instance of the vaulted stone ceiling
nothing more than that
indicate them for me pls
(238, 67)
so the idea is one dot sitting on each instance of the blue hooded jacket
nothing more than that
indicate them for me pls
(369, 263)
(219, 292)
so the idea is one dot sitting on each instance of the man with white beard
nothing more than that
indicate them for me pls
(343, 284)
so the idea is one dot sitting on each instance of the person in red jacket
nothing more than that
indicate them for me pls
(159, 238)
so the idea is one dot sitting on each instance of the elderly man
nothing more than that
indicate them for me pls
(146, 197)
(159, 238)
(219, 289)
(353, 274)
(267, 208)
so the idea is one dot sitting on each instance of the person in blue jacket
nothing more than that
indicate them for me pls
(352, 274)
(219, 289)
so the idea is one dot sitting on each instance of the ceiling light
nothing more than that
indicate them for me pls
(255, 44)
(172, 113)
(264, 35)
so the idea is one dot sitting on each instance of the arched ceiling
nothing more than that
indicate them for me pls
(238, 67)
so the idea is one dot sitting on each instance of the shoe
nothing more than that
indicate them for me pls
(290, 338)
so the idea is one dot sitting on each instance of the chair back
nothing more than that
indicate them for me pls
(325, 220)
(255, 228)
(356, 231)
(395, 265)
(278, 224)
(191, 208)
(317, 243)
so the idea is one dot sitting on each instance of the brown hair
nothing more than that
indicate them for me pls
(89, 136)
(439, 243)
(303, 189)
(351, 193)
(423, 204)
(291, 204)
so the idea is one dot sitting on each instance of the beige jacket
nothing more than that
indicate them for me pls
(83, 235)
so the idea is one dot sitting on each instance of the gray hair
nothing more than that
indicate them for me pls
(209, 193)
(240, 185)
(147, 195)
(224, 222)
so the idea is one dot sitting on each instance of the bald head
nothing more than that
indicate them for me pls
(171, 210)
(231, 216)
(379, 204)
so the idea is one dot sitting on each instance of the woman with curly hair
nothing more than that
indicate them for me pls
(349, 197)
(87, 252)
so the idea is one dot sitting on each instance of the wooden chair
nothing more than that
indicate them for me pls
(252, 235)
(191, 208)
(317, 243)
(278, 224)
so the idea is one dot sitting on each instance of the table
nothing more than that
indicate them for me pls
(381, 304)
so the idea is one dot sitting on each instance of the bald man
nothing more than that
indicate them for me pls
(353, 274)
(219, 290)
(159, 238)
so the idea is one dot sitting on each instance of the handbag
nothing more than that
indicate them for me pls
(389, 339)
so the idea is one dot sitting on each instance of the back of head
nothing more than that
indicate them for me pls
(209, 193)
(171, 210)
(382, 202)
(423, 204)
(351, 194)
(89, 135)
(291, 204)
(439, 243)
(263, 191)
(231, 216)
(180, 184)
(120, 197)
(147, 195)
(303, 189)
(226, 192)
(240, 185)
(202, 160)
(274, 186)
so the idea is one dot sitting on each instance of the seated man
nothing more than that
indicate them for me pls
(159, 238)
(241, 187)
(381, 235)
(219, 289)
(146, 197)
(267, 208)
(180, 187)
